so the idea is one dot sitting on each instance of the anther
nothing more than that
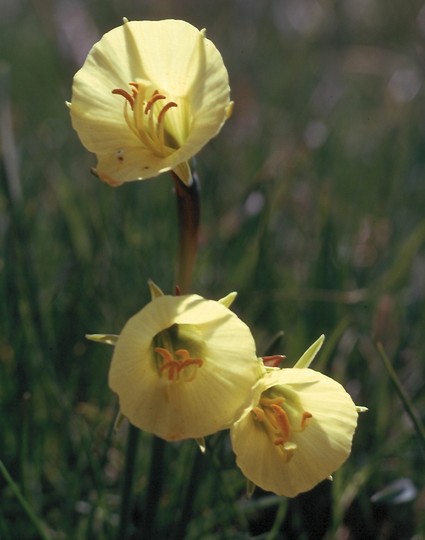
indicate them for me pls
(144, 123)
(175, 366)
(165, 109)
(304, 422)
(282, 421)
(125, 94)
(154, 98)
(259, 414)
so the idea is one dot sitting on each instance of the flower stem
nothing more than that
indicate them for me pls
(189, 494)
(188, 210)
(127, 490)
(154, 489)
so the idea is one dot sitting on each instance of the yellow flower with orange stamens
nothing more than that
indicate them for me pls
(297, 431)
(149, 96)
(183, 367)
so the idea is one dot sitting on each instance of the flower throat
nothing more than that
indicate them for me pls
(178, 353)
(148, 118)
(275, 413)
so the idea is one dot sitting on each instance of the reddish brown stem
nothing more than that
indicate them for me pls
(188, 211)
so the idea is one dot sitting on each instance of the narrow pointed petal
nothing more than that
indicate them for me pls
(250, 488)
(118, 421)
(155, 291)
(310, 354)
(228, 300)
(108, 339)
(182, 170)
(201, 444)
(361, 409)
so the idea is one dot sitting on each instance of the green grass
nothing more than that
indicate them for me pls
(313, 201)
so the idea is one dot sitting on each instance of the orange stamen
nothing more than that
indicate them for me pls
(258, 413)
(155, 97)
(304, 422)
(125, 94)
(165, 109)
(146, 125)
(282, 421)
(176, 366)
(272, 414)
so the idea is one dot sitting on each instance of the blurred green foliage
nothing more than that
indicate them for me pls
(313, 200)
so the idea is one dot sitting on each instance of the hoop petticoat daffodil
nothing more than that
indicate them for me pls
(297, 431)
(149, 96)
(183, 367)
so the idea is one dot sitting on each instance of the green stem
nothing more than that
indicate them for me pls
(408, 405)
(188, 210)
(192, 485)
(127, 489)
(39, 526)
(153, 494)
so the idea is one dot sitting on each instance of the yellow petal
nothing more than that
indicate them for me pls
(319, 449)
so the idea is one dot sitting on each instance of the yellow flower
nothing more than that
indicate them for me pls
(183, 366)
(297, 431)
(149, 96)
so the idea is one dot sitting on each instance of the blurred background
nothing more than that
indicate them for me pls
(313, 209)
